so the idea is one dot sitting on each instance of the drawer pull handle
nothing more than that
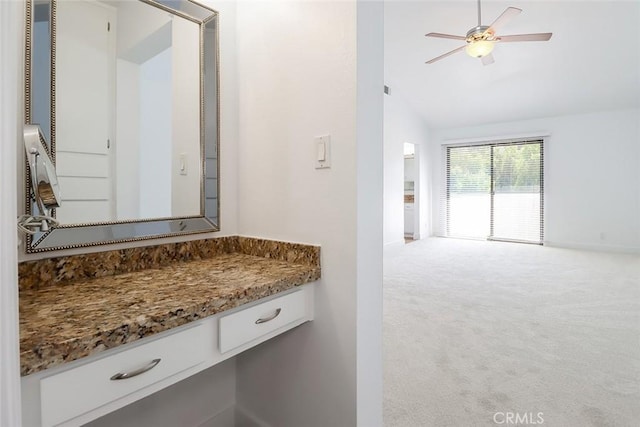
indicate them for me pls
(267, 319)
(126, 375)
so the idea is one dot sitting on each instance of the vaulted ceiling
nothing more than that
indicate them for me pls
(592, 62)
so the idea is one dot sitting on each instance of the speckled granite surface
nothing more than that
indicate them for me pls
(67, 269)
(69, 319)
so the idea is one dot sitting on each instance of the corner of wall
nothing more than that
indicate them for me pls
(11, 37)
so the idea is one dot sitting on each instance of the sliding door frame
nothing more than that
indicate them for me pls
(492, 145)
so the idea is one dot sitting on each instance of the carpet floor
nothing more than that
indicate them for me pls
(488, 333)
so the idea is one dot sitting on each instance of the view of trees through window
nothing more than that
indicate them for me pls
(495, 191)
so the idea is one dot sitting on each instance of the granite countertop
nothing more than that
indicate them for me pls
(64, 322)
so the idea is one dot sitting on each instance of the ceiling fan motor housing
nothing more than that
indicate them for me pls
(479, 33)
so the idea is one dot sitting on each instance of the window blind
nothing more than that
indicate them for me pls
(495, 191)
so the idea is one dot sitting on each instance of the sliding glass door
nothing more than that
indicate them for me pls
(468, 206)
(495, 191)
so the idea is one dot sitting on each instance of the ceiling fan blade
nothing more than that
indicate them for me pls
(445, 36)
(487, 59)
(437, 58)
(507, 15)
(538, 37)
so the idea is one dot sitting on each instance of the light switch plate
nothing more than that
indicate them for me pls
(183, 164)
(322, 149)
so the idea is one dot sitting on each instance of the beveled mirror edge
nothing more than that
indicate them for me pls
(203, 26)
(48, 145)
(191, 225)
(32, 247)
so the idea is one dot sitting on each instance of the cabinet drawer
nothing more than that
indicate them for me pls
(71, 393)
(247, 325)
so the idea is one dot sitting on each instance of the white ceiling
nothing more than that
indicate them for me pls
(592, 62)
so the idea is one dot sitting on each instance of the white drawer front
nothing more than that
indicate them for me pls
(79, 390)
(246, 325)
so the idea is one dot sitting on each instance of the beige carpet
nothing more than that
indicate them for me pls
(475, 331)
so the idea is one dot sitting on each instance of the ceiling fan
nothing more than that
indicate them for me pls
(481, 39)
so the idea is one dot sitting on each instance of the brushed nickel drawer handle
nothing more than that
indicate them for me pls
(267, 319)
(127, 375)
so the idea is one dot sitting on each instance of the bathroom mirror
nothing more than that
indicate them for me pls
(126, 95)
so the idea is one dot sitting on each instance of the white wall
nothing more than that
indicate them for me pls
(592, 175)
(136, 23)
(402, 124)
(127, 131)
(155, 141)
(186, 118)
(300, 69)
(40, 79)
(11, 14)
(369, 207)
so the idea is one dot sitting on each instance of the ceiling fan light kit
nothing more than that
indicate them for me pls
(479, 49)
(482, 38)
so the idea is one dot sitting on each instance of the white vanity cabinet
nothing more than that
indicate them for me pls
(245, 326)
(78, 392)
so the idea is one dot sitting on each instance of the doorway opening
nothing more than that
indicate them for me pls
(411, 192)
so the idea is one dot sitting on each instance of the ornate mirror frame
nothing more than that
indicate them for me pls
(102, 233)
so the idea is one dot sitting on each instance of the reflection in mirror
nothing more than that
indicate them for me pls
(44, 179)
(41, 68)
(132, 149)
(44, 183)
(130, 108)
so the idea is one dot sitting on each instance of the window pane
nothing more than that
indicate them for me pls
(469, 191)
(516, 202)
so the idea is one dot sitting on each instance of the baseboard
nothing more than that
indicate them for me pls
(245, 418)
(225, 418)
(592, 247)
(394, 244)
(426, 235)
